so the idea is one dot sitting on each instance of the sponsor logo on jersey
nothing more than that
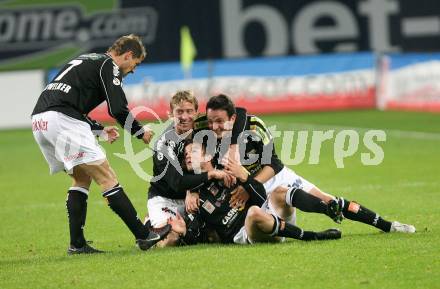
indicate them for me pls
(39, 125)
(230, 216)
(74, 156)
(213, 189)
(220, 199)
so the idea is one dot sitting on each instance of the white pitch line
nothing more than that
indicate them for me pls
(361, 187)
(407, 134)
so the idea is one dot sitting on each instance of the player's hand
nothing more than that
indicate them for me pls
(178, 224)
(110, 134)
(192, 202)
(233, 153)
(239, 197)
(234, 168)
(148, 134)
(229, 180)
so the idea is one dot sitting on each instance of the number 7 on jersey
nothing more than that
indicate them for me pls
(72, 63)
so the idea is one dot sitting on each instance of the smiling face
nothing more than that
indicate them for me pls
(220, 122)
(183, 114)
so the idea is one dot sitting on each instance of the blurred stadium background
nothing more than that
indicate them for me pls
(271, 56)
(321, 64)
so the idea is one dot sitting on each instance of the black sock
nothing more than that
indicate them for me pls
(291, 231)
(356, 212)
(121, 205)
(305, 202)
(76, 205)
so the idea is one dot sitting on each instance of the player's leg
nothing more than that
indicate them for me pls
(160, 209)
(284, 199)
(287, 178)
(47, 138)
(317, 192)
(260, 226)
(105, 177)
(357, 212)
(263, 227)
(76, 204)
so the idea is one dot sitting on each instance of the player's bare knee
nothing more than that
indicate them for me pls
(80, 178)
(278, 196)
(82, 182)
(254, 214)
(102, 174)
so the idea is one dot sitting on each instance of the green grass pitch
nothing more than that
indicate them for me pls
(404, 187)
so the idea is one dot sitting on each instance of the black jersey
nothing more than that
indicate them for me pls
(219, 215)
(83, 84)
(258, 142)
(169, 180)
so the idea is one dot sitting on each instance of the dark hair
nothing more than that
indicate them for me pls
(189, 141)
(222, 102)
(131, 43)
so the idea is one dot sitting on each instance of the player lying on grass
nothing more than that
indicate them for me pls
(257, 144)
(254, 221)
(167, 191)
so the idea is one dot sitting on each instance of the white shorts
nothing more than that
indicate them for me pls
(287, 178)
(242, 237)
(65, 141)
(160, 209)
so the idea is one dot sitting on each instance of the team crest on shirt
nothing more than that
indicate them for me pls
(116, 81)
(115, 70)
(220, 199)
(208, 206)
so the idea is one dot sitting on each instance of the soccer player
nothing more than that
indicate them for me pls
(168, 189)
(247, 224)
(261, 161)
(66, 135)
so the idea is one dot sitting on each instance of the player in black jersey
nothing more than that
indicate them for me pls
(67, 139)
(253, 222)
(259, 158)
(168, 188)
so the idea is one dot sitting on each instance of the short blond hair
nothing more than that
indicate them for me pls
(131, 43)
(183, 95)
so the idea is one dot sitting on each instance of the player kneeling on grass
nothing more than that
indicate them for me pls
(248, 224)
(65, 135)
